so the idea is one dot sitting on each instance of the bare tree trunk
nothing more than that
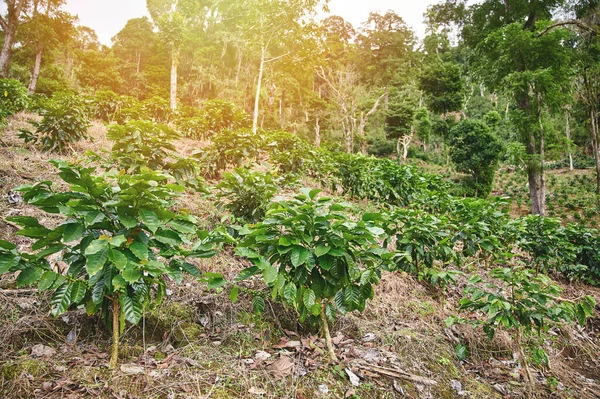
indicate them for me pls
(138, 61)
(239, 68)
(281, 113)
(258, 87)
(174, 66)
(596, 149)
(317, 134)
(36, 71)
(536, 173)
(5, 54)
(568, 132)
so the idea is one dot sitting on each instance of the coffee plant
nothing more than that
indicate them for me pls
(314, 257)
(523, 302)
(13, 98)
(64, 121)
(247, 193)
(139, 145)
(119, 240)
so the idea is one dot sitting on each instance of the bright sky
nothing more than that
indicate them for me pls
(107, 17)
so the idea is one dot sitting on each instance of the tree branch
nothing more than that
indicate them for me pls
(574, 22)
(278, 57)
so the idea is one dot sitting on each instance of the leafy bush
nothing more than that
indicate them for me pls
(476, 151)
(423, 244)
(524, 302)
(13, 98)
(193, 127)
(158, 109)
(233, 147)
(287, 151)
(140, 145)
(119, 240)
(223, 115)
(108, 106)
(64, 122)
(314, 257)
(247, 193)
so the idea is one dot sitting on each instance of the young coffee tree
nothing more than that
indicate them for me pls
(315, 258)
(247, 193)
(522, 302)
(64, 122)
(142, 145)
(118, 239)
(13, 98)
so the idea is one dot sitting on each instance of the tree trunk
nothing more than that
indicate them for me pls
(174, 66)
(596, 149)
(523, 360)
(36, 71)
(327, 334)
(398, 151)
(138, 58)
(281, 113)
(317, 134)
(258, 87)
(114, 350)
(568, 132)
(5, 53)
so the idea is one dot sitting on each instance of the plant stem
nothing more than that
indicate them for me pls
(524, 363)
(332, 355)
(114, 350)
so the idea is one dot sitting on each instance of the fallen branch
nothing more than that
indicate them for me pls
(397, 373)
(19, 292)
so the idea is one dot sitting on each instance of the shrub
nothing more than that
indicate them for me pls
(108, 106)
(119, 240)
(523, 302)
(314, 257)
(476, 151)
(288, 151)
(233, 147)
(140, 145)
(223, 115)
(13, 98)
(193, 127)
(247, 193)
(64, 122)
(158, 109)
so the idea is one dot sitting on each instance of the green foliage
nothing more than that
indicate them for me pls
(64, 122)
(143, 145)
(13, 98)
(247, 193)
(232, 147)
(424, 245)
(108, 106)
(476, 151)
(522, 302)
(193, 127)
(399, 120)
(313, 256)
(443, 86)
(288, 152)
(223, 115)
(119, 240)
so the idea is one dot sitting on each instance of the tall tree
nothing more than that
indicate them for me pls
(9, 24)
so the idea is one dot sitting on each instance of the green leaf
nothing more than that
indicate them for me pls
(285, 241)
(29, 276)
(289, 292)
(299, 256)
(191, 269)
(150, 219)
(34, 232)
(139, 249)
(47, 280)
(247, 273)
(168, 237)
(119, 283)
(96, 255)
(309, 298)
(9, 246)
(270, 274)
(128, 221)
(322, 250)
(132, 309)
(131, 274)
(7, 262)
(61, 300)
(258, 305)
(24, 221)
(233, 293)
(182, 226)
(78, 292)
(73, 232)
(118, 258)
